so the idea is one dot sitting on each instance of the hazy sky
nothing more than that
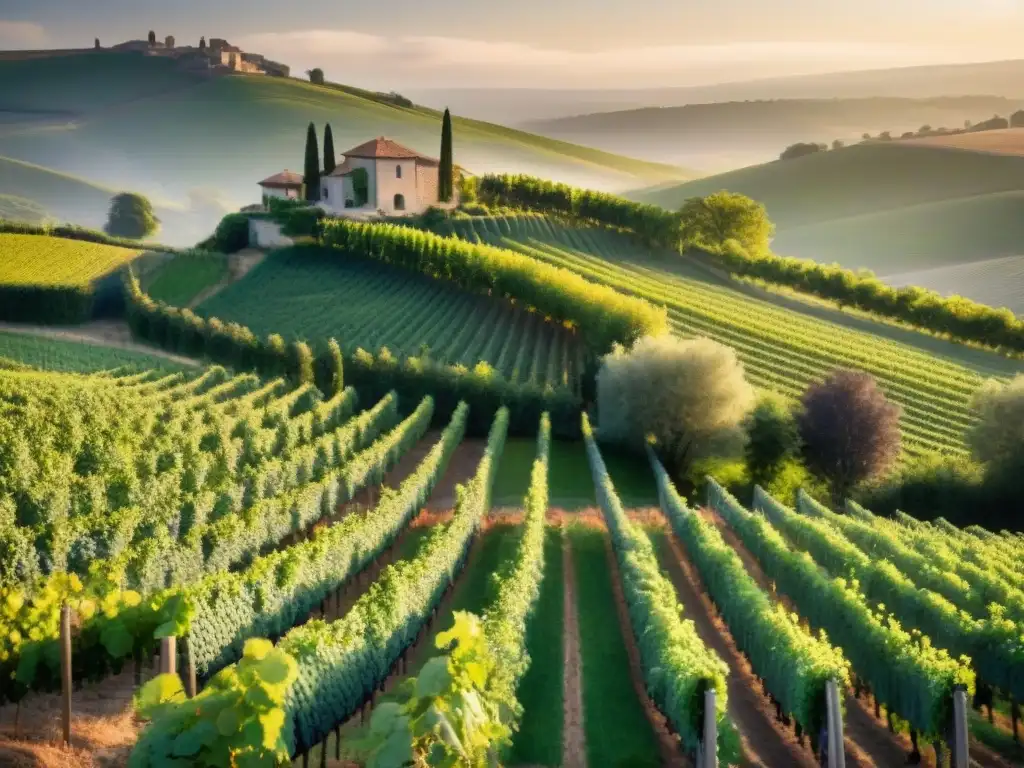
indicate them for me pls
(548, 43)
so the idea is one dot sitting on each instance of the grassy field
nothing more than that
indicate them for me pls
(39, 260)
(539, 740)
(617, 730)
(782, 349)
(1009, 141)
(71, 356)
(131, 122)
(185, 276)
(892, 208)
(315, 294)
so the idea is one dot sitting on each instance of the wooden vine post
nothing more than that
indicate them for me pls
(168, 656)
(961, 752)
(65, 671)
(836, 750)
(709, 742)
(191, 689)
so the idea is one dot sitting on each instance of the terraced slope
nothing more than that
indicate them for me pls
(312, 294)
(782, 350)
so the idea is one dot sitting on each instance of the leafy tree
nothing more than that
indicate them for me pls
(838, 144)
(1017, 119)
(801, 149)
(152, 37)
(866, 137)
(724, 216)
(131, 216)
(772, 437)
(329, 161)
(316, 76)
(688, 395)
(311, 176)
(232, 233)
(850, 430)
(446, 171)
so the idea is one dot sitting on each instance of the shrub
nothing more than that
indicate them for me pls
(773, 438)
(850, 430)
(316, 75)
(232, 233)
(997, 439)
(802, 149)
(689, 396)
(131, 216)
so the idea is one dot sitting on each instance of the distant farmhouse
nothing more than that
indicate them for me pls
(217, 57)
(380, 176)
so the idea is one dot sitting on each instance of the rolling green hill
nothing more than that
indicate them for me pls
(132, 121)
(65, 197)
(891, 207)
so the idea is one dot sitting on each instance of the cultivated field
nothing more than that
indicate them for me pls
(185, 276)
(317, 529)
(73, 356)
(781, 349)
(316, 294)
(38, 260)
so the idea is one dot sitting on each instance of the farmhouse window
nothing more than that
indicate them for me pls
(398, 171)
(399, 202)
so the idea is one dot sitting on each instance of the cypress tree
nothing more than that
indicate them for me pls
(329, 162)
(445, 171)
(311, 175)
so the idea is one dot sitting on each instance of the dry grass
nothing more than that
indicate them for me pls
(1009, 141)
(96, 742)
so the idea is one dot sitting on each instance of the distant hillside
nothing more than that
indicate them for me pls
(132, 121)
(65, 197)
(895, 207)
(735, 133)
(998, 78)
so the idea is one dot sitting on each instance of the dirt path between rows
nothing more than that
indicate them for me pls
(99, 333)
(668, 744)
(864, 734)
(766, 742)
(574, 739)
(239, 265)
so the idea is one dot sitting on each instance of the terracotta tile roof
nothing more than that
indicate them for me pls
(341, 170)
(385, 148)
(283, 179)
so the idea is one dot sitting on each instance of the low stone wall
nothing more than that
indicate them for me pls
(264, 233)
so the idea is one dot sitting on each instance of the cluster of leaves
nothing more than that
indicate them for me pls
(736, 232)
(794, 664)
(602, 315)
(443, 717)
(342, 663)
(237, 720)
(905, 672)
(678, 667)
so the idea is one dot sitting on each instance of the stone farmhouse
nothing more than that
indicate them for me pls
(378, 177)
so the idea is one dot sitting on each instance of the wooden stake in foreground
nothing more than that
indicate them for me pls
(65, 671)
